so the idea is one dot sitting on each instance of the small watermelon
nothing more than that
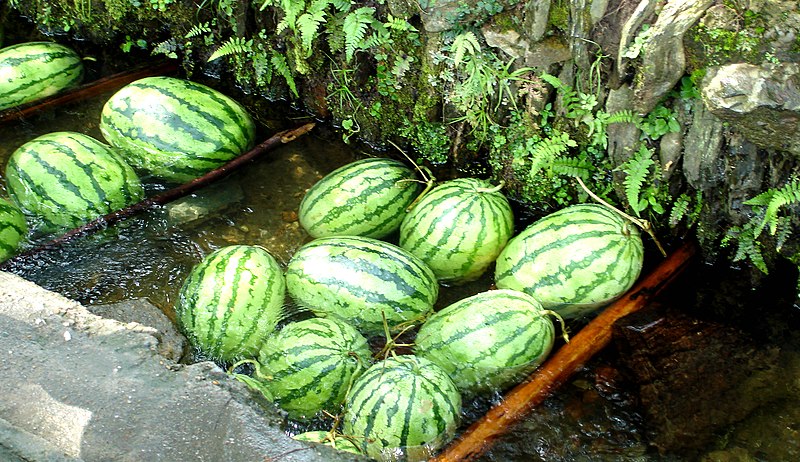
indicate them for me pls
(488, 341)
(458, 229)
(35, 70)
(573, 261)
(311, 364)
(359, 280)
(404, 406)
(327, 438)
(67, 178)
(176, 129)
(13, 229)
(367, 197)
(231, 301)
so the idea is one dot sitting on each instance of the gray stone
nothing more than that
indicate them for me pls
(76, 386)
(171, 344)
(196, 207)
(761, 102)
(663, 59)
(537, 13)
(702, 150)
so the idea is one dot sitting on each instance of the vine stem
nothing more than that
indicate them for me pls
(170, 195)
(643, 224)
(424, 172)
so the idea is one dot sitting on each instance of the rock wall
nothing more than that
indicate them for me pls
(710, 88)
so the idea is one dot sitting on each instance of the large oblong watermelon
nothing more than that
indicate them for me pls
(231, 301)
(13, 229)
(458, 229)
(573, 261)
(34, 70)
(66, 179)
(176, 129)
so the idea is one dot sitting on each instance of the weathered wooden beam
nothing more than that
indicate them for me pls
(564, 362)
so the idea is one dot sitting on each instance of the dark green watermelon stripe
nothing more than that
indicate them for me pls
(445, 233)
(23, 92)
(587, 262)
(410, 410)
(405, 270)
(439, 414)
(396, 208)
(612, 235)
(29, 178)
(355, 170)
(120, 167)
(204, 113)
(116, 117)
(301, 393)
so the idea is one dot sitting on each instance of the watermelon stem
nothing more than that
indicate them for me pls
(424, 172)
(643, 224)
(493, 189)
(391, 342)
(256, 366)
(564, 333)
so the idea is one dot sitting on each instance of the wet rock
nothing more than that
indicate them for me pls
(761, 102)
(695, 377)
(76, 386)
(536, 13)
(663, 60)
(703, 149)
(171, 344)
(195, 208)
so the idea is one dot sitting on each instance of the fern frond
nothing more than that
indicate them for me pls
(626, 116)
(232, 46)
(544, 152)
(570, 166)
(342, 5)
(308, 24)
(281, 67)
(552, 80)
(199, 29)
(784, 231)
(679, 210)
(355, 29)
(465, 44)
(774, 200)
(637, 170)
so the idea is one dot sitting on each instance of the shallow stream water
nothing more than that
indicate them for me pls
(593, 417)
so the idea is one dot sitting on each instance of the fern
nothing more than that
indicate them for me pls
(637, 170)
(679, 210)
(232, 46)
(748, 248)
(571, 166)
(198, 30)
(355, 30)
(465, 44)
(543, 153)
(281, 67)
(774, 200)
(626, 116)
(308, 24)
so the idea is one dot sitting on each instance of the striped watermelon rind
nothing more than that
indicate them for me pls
(488, 341)
(13, 229)
(574, 261)
(33, 70)
(404, 405)
(176, 129)
(367, 197)
(338, 442)
(65, 179)
(231, 301)
(311, 364)
(360, 279)
(458, 229)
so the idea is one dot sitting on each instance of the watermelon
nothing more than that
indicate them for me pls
(458, 229)
(573, 261)
(367, 197)
(66, 179)
(488, 341)
(311, 364)
(330, 439)
(360, 279)
(402, 406)
(35, 70)
(176, 129)
(13, 229)
(231, 301)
